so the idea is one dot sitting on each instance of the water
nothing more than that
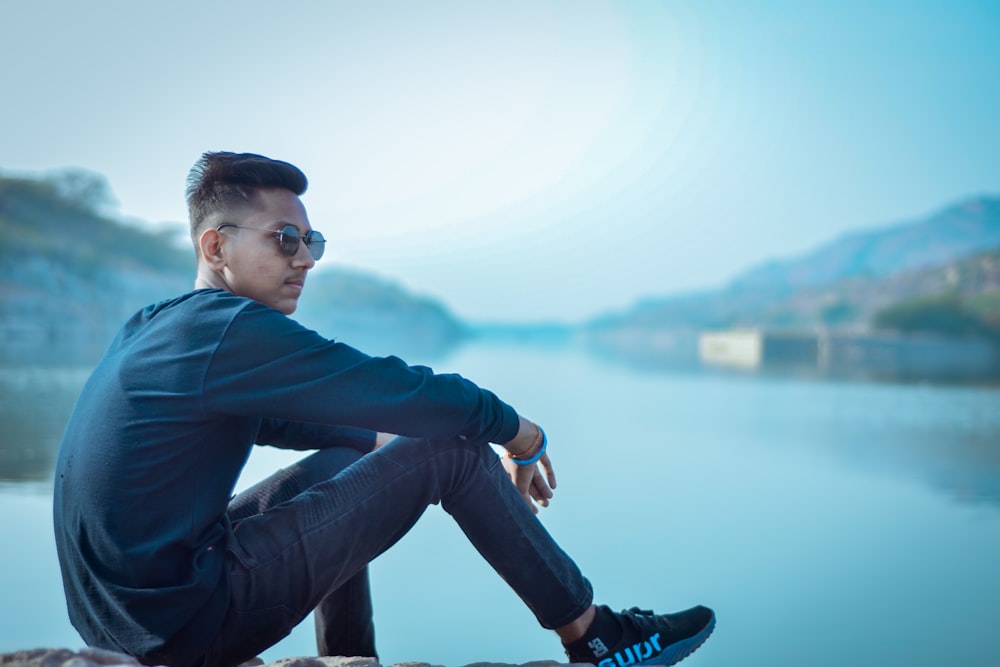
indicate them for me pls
(827, 523)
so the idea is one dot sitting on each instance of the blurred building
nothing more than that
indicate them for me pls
(851, 353)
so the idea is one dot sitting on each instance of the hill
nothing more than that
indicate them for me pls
(842, 283)
(939, 274)
(377, 315)
(71, 273)
(859, 303)
(956, 231)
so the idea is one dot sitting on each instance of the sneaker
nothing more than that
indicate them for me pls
(643, 638)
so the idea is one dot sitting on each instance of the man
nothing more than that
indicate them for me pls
(159, 561)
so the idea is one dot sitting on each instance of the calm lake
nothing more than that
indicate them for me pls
(828, 523)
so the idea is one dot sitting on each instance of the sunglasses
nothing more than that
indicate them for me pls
(288, 239)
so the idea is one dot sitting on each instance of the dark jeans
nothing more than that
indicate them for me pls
(303, 539)
(344, 624)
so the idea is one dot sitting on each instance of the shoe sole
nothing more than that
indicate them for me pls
(682, 649)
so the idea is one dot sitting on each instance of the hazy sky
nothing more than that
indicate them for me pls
(526, 160)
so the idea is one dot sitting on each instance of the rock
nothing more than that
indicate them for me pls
(338, 661)
(62, 657)
(95, 657)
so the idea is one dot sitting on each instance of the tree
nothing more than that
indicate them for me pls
(87, 190)
(945, 314)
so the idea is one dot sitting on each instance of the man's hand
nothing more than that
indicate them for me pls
(535, 482)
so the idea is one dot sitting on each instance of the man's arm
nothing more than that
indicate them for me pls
(267, 364)
(304, 435)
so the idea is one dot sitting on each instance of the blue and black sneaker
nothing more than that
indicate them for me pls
(640, 637)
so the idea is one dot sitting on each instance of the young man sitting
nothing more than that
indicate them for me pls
(160, 562)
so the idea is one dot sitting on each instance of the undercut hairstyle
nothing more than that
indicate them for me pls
(223, 182)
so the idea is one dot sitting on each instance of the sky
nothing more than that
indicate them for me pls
(525, 161)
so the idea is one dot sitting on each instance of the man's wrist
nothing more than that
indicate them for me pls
(527, 441)
(536, 452)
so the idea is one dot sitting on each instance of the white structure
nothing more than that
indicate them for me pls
(885, 355)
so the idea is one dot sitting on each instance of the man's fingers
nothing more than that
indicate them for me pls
(539, 489)
(534, 509)
(550, 474)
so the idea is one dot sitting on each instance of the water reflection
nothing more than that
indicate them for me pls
(946, 437)
(785, 491)
(35, 404)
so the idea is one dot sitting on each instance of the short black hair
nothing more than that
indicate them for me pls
(223, 181)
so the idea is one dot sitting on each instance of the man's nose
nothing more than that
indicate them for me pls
(303, 257)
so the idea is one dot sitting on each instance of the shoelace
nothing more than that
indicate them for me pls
(637, 617)
(635, 611)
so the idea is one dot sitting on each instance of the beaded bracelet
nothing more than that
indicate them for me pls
(538, 454)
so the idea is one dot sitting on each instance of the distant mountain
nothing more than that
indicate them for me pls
(957, 231)
(857, 302)
(844, 284)
(377, 315)
(71, 273)
(783, 292)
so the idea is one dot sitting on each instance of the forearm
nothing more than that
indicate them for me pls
(297, 375)
(526, 442)
(306, 436)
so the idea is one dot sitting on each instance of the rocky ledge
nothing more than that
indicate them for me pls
(93, 657)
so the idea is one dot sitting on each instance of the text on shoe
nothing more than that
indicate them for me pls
(631, 655)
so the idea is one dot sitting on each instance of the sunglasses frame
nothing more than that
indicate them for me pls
(314, 241)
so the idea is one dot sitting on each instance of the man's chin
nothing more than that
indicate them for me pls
(283, 305)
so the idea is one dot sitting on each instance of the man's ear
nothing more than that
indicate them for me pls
(210, 247)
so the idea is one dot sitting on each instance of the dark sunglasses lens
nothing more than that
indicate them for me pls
(288, 238)
(316, 244)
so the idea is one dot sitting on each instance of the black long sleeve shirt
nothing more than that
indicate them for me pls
(164, 426)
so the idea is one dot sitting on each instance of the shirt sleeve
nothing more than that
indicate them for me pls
(269, 366)
(302, 436)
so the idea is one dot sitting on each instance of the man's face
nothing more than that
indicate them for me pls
(254, 265)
